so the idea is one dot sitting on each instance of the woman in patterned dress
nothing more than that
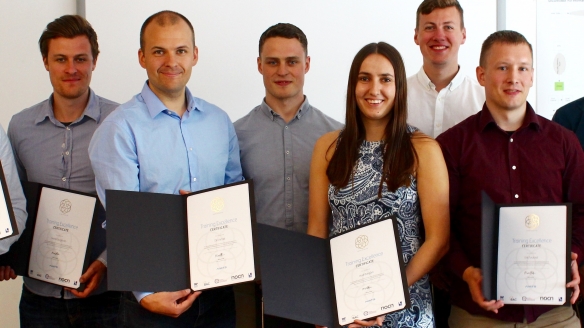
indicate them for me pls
(379, 165)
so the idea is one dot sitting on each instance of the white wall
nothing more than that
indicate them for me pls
(23, 82)
(23, 78)
(227, 36)
(521, 17)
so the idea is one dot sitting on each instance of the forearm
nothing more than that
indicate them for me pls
(426, 258)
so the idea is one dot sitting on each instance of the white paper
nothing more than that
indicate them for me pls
(220, 237)
(5, 223)
(531, 266)
(366, 272)
(60, 237)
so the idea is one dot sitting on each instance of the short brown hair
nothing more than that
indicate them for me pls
(68, 26)
(506, 37)
(428, 6)
(284, 30)
(162, 18)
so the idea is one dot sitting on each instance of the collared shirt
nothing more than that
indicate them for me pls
(276, 155)
(435, 112)
(51, 153)
(571, 116)
(14, 190)
(143, 146)
(541, 162)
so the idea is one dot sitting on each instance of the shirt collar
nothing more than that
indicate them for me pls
(271, 114)
(91, 110)
(530, 119)
(425, 80)
(155, 106)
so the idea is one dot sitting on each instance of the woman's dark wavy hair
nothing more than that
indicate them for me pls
(399, 155)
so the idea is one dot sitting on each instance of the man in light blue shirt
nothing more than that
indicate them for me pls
(165, 140)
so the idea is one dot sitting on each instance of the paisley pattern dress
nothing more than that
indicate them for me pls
(358, 204)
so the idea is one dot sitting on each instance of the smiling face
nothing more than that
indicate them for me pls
(507, 76)
(439, 35)
(168, 56)
(375, 90)
(283, 64)
(70, 64)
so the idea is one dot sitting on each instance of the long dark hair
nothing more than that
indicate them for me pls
(399, 155)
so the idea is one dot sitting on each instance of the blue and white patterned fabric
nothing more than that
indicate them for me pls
(358, 204)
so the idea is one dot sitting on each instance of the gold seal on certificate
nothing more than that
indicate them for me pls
(532, 221)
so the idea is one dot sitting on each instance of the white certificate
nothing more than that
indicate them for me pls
(531, 266)
(6, 229)
(220, 237)
(366, 271)
(60, 238)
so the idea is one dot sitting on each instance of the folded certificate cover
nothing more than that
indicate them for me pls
(63, 235)
(161, 242)
(357, 275)
(8, 226)
(525, 252)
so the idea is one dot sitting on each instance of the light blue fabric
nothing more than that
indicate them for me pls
(143, 146)
(14, 190)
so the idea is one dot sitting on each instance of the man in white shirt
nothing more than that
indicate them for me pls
(439, 95)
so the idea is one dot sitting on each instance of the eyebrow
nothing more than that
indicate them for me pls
(74, 56)
(523, 63)
(383, 74)
(162, 48)
(286, 58)
(443, 23)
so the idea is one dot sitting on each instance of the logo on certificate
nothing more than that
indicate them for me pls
(532, 221)
(361, 241)
(217, 204)
(65, 206)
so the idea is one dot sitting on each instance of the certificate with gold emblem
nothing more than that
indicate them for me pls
(61, 236)
(531, 254)
(162, 242)
(220, 237)
(64, 233)
(368, 271)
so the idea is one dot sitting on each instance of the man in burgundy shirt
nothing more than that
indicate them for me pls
(516, 156)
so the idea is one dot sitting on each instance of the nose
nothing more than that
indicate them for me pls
(282, 70)
(513, 76)
(71, 67)
(438, 34)
(171, 59)
(375, 88)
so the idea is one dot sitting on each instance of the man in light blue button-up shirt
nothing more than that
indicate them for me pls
(165, 140)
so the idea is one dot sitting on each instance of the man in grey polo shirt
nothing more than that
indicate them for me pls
(277, 137)
(50, 142)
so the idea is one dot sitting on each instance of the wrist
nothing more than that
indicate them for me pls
(467, 273)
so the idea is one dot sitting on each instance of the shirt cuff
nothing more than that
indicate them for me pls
(103, 257)
(140, 295)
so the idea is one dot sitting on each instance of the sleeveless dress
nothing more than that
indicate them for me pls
(358, 204)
